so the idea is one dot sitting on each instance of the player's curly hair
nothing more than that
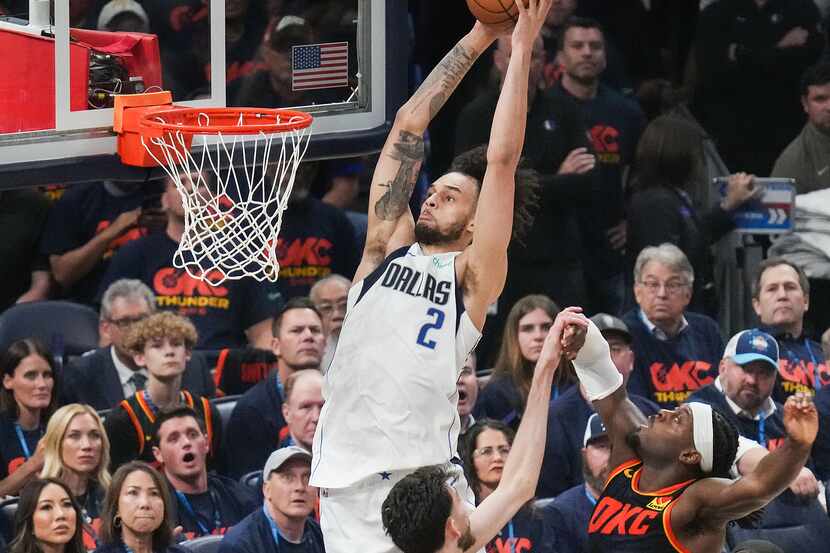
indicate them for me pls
(473, 163)
(158, 327)
(724, 445)
(416, 510)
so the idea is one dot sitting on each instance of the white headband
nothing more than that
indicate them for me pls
(702, 427)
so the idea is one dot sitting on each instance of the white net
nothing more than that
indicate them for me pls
(233, 196)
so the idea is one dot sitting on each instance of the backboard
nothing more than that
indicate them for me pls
(344, 61)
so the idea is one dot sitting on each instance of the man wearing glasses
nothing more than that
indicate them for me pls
(677, 351)
(107, 375)
(329, 295)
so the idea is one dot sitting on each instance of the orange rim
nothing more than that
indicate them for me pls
(225, 120)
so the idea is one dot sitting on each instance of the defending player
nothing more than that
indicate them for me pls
(423, 515)
(417, 307)
(667, 490)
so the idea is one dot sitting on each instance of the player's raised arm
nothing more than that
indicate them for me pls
(604, 386)
(521, 472)
(487, 256)
(718, 501)
(402, 154)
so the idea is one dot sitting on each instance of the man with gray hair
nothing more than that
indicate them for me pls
(329, 295)
(107, 375)
(677, 351)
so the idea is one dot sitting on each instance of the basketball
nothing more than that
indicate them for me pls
(494, 12)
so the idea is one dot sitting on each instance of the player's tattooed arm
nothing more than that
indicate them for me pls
(443, 80)
(408, 150)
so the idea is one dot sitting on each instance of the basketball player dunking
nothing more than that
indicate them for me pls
(668, 488)
(419, 298)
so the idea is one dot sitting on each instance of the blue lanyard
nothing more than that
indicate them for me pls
(275, 531)
(309, 540)
(510, 536)
(217, 519)
(22, 439)
(280, 389)
(762, 438)
(590, 497)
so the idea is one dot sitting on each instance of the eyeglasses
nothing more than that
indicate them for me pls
(673, 287)
(489, 451)
(326, 307)
(619, 348)
(124, 322)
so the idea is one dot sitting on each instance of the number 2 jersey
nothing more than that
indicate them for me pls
(626, 519)
(390, 391)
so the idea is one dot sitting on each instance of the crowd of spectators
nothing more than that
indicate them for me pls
(634, 105)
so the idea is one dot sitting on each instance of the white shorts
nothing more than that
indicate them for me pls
(351, 517)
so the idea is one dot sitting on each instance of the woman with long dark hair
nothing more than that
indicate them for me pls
(527, 324)
(667, 165)
(47, 520)
(27, 399)
(137, 510)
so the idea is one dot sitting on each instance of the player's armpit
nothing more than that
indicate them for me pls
(621, 418)
(714, 502)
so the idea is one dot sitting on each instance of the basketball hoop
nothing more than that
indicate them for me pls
(233, 194)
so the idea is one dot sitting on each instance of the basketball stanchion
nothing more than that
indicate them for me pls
(234, 191)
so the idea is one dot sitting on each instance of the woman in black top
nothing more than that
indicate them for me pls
(27, 398)
(47, 519)
(668, 161)
(77, 453)
(136, 517)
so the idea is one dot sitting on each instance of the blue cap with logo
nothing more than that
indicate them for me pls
(593, 430)
(752, 345)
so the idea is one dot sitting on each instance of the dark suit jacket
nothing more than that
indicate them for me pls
(93, 379)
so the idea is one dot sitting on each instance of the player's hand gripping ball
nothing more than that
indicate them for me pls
(495, 12)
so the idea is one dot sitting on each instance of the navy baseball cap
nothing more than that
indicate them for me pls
(610, 323)
(593, 430)
(752, 345)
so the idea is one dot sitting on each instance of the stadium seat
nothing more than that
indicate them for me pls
(205, 544)
(8, 508)
(252, 479)
(789, 523)
(225, 406)
(68, 329)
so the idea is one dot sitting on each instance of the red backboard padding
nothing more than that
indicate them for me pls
(27, 73)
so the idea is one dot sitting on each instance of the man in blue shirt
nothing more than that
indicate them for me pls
(677, 351)
(781, 298)
(568, 515)
(283, 524)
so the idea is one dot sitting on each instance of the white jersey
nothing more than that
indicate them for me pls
(390, 391)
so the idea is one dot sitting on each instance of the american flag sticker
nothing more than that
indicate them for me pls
(320, 66)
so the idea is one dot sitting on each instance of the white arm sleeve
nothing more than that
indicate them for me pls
(744, 445)
(594, 367)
